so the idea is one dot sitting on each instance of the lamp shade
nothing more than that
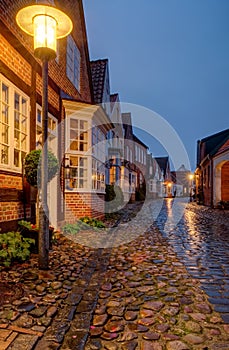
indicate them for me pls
(46, 24)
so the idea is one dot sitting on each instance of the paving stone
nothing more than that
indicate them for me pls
(177, 345)
(146, 345)
(100, 320)
(153, 305)
(131, 345)
(193, 339)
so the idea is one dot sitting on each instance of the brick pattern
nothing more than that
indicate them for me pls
(12, 211)
(78, 205)
(225, 182)
(15, 61)
(9, 181)
(18, 56)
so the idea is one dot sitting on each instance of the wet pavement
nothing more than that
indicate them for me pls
(201, 241)
(134, 288)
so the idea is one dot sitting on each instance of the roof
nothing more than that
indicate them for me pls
(136, 139)
(215, 141)
(114, 98)
(211, 144)
(98, 72)
(162, 162)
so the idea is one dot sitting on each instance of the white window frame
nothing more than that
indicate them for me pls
(98, 175)
(73, 59)
(76, 180)
(52, 126)
(22, 129)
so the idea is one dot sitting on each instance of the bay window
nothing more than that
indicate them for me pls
(14, 125)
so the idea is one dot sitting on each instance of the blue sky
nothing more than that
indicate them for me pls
(169, 56)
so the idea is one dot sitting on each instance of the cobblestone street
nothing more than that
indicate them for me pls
(201, 241)
(126, 289)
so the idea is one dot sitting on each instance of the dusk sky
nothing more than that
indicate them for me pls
(169, 56)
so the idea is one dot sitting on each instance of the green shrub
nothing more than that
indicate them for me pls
(33, 165)
(83, 224)
(14, 247)
(93, 222)
(114, 198)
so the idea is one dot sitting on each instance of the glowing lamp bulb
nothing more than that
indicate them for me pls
(44, 36)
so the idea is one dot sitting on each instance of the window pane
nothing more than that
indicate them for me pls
(23, 124)
(24, 105)
(4, 154)
(5, 114)
(39, 116)
(16, 101)
(74, 146)
(74, 123)
(16, 120)
(5, 132)
(5, 93)
(23, 142)
(16, 157)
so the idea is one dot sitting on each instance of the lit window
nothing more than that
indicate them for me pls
(52, 127)
(98, 175)
(14, 116)
(78, 172)
(73, 62)
(78, 135)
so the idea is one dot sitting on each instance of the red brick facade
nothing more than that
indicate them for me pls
(78, 205)
(225, 181)
(23, 70)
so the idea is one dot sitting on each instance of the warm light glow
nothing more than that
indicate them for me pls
(47, 24)
(169, 184)
(45, 34)
(191, 176)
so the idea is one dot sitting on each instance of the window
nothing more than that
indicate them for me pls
(98, 175)
(78, 135)
(52, 127)
(78, 172)
(14, 116)
(151, 185)
(73, 62)
(98, 143)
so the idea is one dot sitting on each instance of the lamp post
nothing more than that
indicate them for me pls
(46, 24)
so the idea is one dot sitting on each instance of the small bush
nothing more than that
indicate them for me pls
(83, 224)
(114, 198)
(33, 167)
(93, 222)
(14, 247)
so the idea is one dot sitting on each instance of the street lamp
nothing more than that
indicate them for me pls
(46, 24)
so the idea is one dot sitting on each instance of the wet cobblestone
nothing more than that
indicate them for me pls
(201, 241)
(135, 295)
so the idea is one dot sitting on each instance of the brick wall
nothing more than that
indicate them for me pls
(14, 61)
(78, 205)
(225, 182)
(10, 181)
(12, 211)
(24, 70)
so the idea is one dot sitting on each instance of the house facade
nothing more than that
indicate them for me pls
(212, 172)
(155, 179)
(21, 118)
(164, 165)
(183, 182)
